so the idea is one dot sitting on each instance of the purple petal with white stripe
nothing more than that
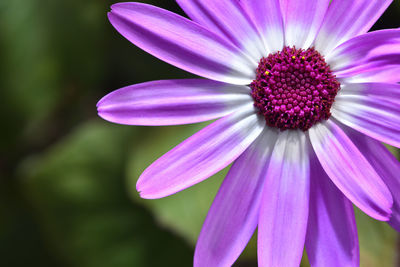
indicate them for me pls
(385, 164)
(371, 108)
(266, 15)
(181, 42)
(382, 91)
(346, 19)
(233, 216)
(201, 155)
(302, 19)
(172, 102)
(228, 19)
(284, 207)
(374, 57)
(381, 73)
(332, 232)
(350, 171)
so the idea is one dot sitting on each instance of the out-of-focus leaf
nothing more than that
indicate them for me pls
(377, 241)
(19, 232)
(53, 60)
(28, 71)
(395, 151)
(78, 190)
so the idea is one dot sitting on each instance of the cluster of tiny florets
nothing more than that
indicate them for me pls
(294, 88)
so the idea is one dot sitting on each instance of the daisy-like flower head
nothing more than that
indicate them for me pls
(305, 97)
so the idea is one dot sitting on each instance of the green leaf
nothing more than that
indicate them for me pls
(78, 190)
(377, 241)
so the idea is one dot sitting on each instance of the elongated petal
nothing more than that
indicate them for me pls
(266, 15)
(181, 42)
(172, 102)
(372, 73)
(380, 91)
(346, 19)
(233, 216)
(350, 171)
(201, 155)
(228, 19)
(374, 57)
(332, 232)
(385, 164)
(303, 19)
(284, 206)
(371, 108)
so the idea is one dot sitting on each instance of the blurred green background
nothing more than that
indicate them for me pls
(67, 180)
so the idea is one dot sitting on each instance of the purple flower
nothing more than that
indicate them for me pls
(304, 95)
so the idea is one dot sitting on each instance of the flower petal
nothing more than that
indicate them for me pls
(201, 155)
(228, 19)
(172, 102)
(374, 57)
(303, 19)
(284, 207)
(371, 108)
(385, 164)
(350, 171)
(372, 73)
(346, 19)
(332, 232)
(233, 216)
(382, 91)
(181, 42)
(266, 15)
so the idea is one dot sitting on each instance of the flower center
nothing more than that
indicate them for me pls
(294, 88)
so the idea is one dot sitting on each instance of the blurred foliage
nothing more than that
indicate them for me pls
(377, 242)
(81, 199)
(67, 180)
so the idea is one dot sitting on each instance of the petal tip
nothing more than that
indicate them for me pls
(383, 215)
(101, 114)
(148, 195)
(115, 6)
(148, 189)
(143, 195)
(111, 17)
(98, 104)
(141, 192)
(100, 110)
(140, 187)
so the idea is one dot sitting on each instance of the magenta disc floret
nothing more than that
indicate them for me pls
(294, 88)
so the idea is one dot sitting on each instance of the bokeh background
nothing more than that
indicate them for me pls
(67, 180)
